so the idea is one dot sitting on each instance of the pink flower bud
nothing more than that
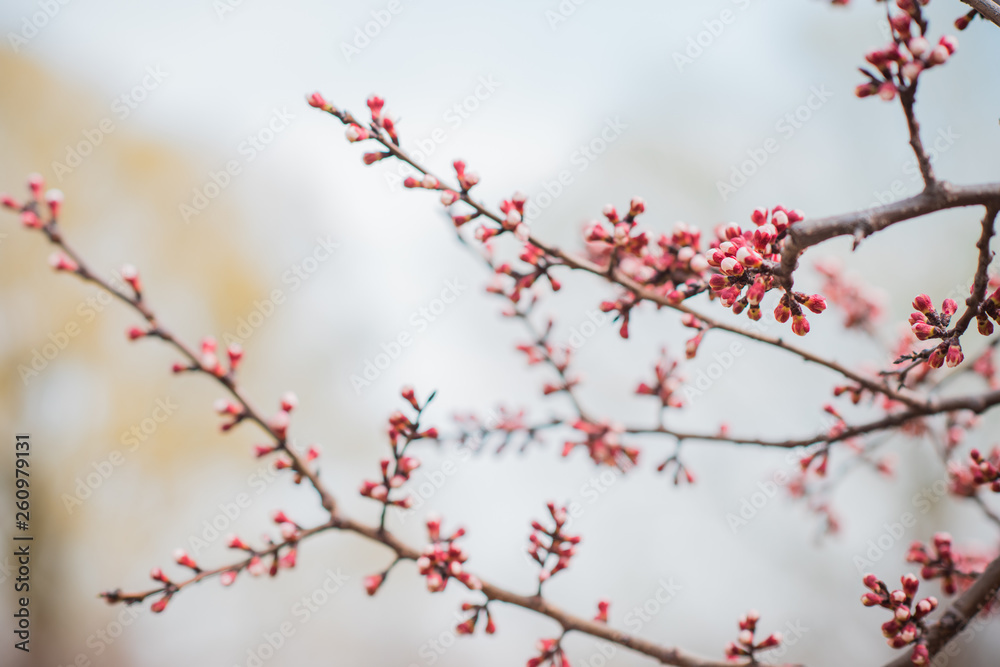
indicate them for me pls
(923, 331)
(373, 582)
(35, 184)
(135, 332)
(887, 91)
(160, 604)
(60, 262)
(449, 197)
(54, 199)
(816, 303)
(939, 55)
(636, 206)
(235, 354)
(954, 356)
(279, 423)
(316, 100)
(228, 577)
(289, 401)
(181, 558)
(10, 202)
(356, 133)
(730, 266)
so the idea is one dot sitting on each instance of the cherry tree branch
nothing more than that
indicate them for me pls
(569, 622)
(618, 277)
(861, 224)
(987, 8)
(959, 614)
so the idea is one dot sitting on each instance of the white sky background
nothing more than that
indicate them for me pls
(685, 131)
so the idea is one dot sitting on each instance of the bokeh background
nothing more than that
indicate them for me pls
(559, 74)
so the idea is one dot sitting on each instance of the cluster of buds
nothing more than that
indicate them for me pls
(549, 652)
(985, 367)
(396, 471)
(989, 309)
(745, 644)
(668, 382)
(255, 565)
(673, 266)
(547, 544)
(231, 409)
(940, 562)
(466, 180)
(621, 237)
(602, 441)
(468, 626)
(402, 428)
(290, 533)
(745, 261)
(29, 210)
(623, 306)
(540, 262)
(393, 477)
(281, 420)
(906, 625)
(899, 64)
(442, 560)
(861, 306)
(927, 323)
(692, 344)
(981, 471)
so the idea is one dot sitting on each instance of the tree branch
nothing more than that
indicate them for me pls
(959, 614)
(988, 9)
(861, 224)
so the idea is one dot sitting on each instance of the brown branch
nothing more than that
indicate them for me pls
(861, 224)
(642, 293)
(959, 614)
(568, 622)
(988, 10)
(977, 403)
(907, 97)
(666, 655)
(982, 279)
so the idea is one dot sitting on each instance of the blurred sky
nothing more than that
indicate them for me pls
(185, 87)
